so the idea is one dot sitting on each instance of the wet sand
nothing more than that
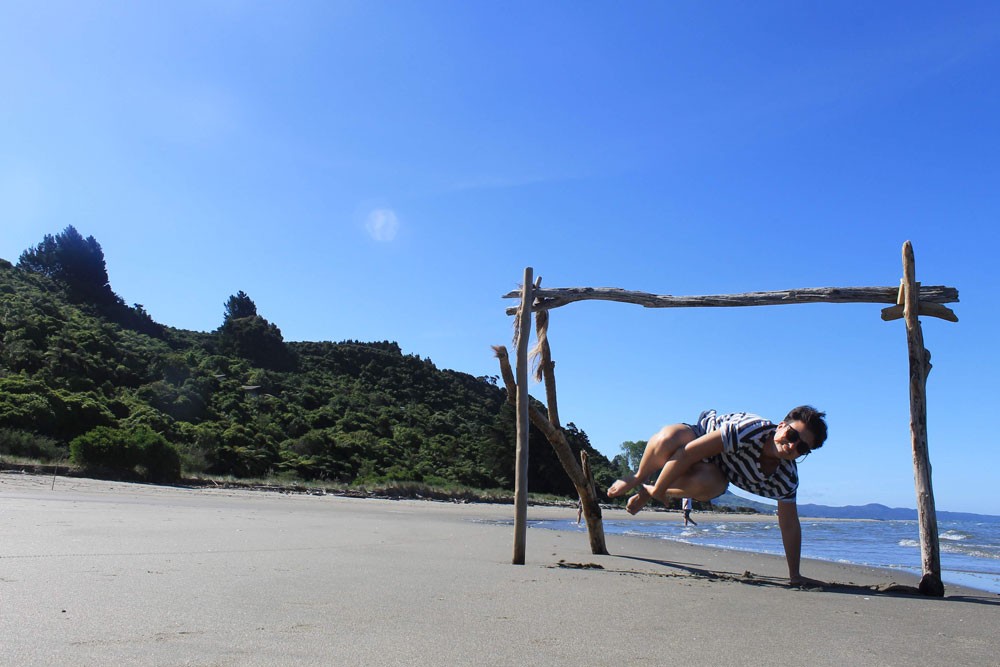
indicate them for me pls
(102, 573)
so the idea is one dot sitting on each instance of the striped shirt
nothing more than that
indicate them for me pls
(743, 438)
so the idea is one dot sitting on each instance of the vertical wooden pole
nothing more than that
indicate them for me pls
(523, 423)
(930, 583)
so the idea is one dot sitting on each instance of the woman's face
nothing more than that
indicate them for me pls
(787, 439)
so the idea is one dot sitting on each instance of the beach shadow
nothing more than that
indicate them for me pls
(685, 570)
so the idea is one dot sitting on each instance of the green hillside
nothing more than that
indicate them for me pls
(85, 377)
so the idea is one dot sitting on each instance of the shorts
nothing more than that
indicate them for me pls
(705, 424)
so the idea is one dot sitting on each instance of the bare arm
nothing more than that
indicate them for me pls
(791, 538)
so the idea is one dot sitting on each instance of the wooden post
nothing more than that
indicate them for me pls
(930, 583)
(557, 438)
(523, 423)
(582, 479)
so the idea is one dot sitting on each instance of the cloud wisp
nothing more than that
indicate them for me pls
(382, 224)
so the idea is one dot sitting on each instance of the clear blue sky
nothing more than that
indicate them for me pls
(373, 170)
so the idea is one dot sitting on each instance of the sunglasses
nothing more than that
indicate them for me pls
(795, 438)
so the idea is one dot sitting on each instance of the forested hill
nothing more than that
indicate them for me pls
(84, 375)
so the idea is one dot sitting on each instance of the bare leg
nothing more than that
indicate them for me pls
(658, 451)
(703, 481)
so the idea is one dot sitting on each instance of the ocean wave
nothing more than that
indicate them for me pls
(908, 543)
(954, 535)
(973, 550)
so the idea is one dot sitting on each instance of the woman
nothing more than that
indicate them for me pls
(700, 460)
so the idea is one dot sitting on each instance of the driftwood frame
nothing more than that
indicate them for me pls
(909, 299)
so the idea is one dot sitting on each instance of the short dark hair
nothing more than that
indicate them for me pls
(813, 419)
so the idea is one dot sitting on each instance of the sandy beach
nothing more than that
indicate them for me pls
(107, 573)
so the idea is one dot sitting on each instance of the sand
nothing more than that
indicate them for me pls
(103, 573)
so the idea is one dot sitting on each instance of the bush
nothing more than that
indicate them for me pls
(29, 445)
(160, 462)
(138, 451)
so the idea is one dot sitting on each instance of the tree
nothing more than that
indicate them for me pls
(78, 265)
(632, 453)
(75, 262)
(239, 306)
(246, 334)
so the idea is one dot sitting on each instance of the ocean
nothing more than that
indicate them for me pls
(970, 550)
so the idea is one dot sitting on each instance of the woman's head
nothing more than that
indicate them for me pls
(813, 420)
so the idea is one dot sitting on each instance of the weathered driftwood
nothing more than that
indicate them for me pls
(522, 402)
(556, 437)
(546, 299)
(587, 472)
(930, 583)
(545, 370)
(588, 495)
(925, 308)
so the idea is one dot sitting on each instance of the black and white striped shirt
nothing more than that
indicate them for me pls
(743, 438)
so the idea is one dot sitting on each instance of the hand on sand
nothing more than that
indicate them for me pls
(621, 487)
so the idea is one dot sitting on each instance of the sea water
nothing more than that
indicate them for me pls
(970, 550)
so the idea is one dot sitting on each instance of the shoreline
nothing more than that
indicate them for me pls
(95, 573)
(983, 581)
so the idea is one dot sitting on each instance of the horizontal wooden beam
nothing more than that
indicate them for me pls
(546, 299)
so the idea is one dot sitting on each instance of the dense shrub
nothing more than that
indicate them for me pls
(14, 442)
(139, 451)
(160, 462)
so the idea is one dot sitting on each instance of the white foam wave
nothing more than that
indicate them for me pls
(908, 543)
(973, 550)
(953, 535)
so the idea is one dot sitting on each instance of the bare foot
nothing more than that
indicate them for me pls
(638, 501)
(621, 487)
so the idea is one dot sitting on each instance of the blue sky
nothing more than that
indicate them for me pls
(386, 170)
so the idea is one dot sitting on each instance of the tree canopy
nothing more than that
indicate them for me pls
(239, 305)
(76, 263)
(246, 334)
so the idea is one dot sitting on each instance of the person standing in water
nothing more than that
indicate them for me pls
(686, 505)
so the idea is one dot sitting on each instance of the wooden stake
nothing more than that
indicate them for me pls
(930, 583)
(523, 424)
(557, 438)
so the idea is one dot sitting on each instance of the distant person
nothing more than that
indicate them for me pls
(687, 506)
(700, 460)
(579, 511)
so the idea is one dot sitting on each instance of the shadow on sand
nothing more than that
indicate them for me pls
(690, 570)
